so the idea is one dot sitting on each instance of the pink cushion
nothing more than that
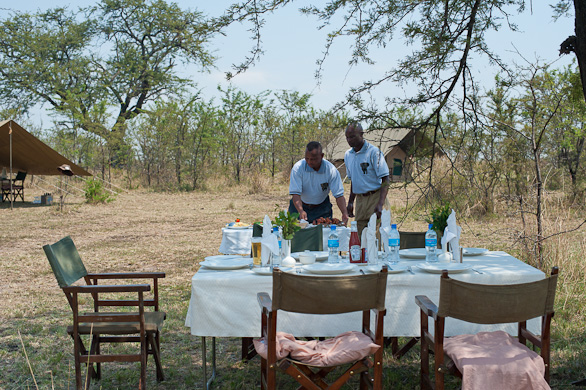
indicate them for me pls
(495, 360)
(344, 348)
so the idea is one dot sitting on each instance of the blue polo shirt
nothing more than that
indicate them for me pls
(366, 168)
(314, 186)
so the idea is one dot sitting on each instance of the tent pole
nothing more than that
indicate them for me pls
(11, 193)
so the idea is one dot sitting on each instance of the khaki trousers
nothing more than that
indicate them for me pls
(365, 205)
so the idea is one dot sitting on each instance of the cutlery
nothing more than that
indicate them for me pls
(362, 272)
(410, 270)
(477, 271)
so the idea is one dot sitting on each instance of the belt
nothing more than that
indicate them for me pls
(370, 192)
(310, 206)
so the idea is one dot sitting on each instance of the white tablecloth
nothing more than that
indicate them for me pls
(236, 241)
(224, 303)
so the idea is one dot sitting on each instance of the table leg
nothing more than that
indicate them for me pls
(207, 384)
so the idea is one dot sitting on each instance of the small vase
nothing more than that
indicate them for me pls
(285, 248)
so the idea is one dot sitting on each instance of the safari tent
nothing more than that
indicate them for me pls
(23, 151)
(398, 146)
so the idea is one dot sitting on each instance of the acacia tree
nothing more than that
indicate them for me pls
(114, 57)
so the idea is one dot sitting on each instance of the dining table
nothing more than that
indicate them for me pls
(224, 302)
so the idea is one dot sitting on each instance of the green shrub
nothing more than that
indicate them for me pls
(96, 193)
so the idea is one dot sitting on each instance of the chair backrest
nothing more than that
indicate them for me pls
(20, 176)
(496, 304)
(65, 261)
(308, 239)
(412, 240)
(328, 294)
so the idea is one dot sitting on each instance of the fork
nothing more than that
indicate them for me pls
(410, 270)
(477, 271)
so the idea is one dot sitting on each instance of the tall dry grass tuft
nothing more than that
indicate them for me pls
(27, 359)
(258, 183)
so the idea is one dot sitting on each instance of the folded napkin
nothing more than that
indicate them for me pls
(269, 242)
(385, 229)
(452, 237)
(368, 240)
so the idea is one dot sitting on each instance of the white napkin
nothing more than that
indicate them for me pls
(452, 237)
(385, 228)
(369, 238)
(269, 242)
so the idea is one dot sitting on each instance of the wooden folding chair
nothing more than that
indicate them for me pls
(15, 190)
(123, 326)
(484, 304)
(324, 295)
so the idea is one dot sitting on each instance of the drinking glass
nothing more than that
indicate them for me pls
(256, 250)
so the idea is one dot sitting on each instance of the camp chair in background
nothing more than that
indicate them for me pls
(484, 304)
(412, 240)
(17, 189)
(308, 239)
(123, 326)
(323, 295)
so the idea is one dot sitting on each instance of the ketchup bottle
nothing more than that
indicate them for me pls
(354, 244)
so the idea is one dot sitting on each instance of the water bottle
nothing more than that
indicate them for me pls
(333, 245)
(394, 244)
(277, 258)
(430, 245)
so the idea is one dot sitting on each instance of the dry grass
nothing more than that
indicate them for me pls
(142, 230)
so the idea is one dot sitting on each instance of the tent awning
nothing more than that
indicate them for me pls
(30, 154)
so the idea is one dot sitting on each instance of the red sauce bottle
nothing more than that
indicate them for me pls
(355, 243)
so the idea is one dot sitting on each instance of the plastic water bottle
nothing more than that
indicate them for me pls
(430, 244)
(333, 245)
(277, 258)
(394, 244)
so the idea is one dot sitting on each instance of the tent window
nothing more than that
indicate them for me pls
(397, 167)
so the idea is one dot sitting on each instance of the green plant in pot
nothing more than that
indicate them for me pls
(289, 224)
(439, 218)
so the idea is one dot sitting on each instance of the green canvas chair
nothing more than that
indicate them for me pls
(136, 325)
(308, 239)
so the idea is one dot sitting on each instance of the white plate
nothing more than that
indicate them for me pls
(413, 253)
(223, 257)
(238, 227)
(392, 269)
(437, 268)
(474, 251)
(329, 269)
(267, 270)
(319, 255)
(243, 262)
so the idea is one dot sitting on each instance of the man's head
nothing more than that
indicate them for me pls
(313, 155)
(354, 136)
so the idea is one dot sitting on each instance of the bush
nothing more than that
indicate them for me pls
(96, 193)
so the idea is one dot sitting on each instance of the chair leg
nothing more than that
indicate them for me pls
(154, 342)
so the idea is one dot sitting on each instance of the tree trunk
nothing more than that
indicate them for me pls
(580, 30)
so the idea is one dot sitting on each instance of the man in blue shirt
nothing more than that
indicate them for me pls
(310, 184)
(368, 170)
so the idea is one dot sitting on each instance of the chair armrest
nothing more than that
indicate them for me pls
(107, 288)
(127, 275)
(265, 301)
(426, 305)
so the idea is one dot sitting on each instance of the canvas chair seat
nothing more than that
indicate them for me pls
(153, 322)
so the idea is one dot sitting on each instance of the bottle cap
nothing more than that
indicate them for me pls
(394, 226)
(430, 226)
(332, 227)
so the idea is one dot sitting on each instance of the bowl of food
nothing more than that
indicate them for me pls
(307, 257)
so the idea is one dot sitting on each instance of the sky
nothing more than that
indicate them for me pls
(292, 44)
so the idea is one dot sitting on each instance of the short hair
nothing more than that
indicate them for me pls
(313, 145)
(356, 126)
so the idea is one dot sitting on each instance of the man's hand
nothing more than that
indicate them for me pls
(350, 209)
(378, 210)
(303, 215)
(345, 219)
